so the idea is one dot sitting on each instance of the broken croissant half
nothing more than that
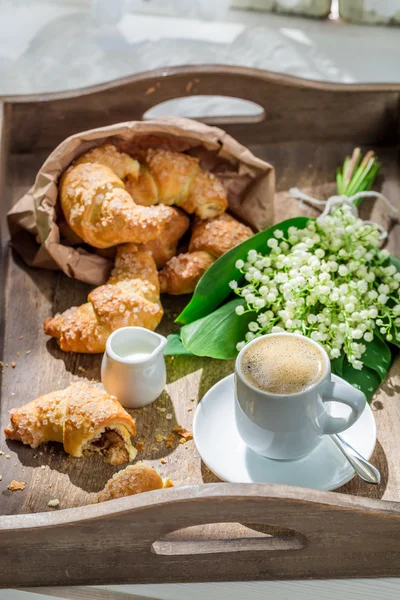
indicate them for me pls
(83, 417)
(135, 479)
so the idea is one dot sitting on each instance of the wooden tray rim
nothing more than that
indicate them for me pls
(206, 491)
(217, 69)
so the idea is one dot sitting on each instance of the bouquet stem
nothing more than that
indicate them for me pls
(357, 174)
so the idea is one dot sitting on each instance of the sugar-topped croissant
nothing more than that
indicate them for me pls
(124, 166)
(167, 177)
(165, 246)
(83, 418)
(134, 479)
(210, 239)
(131, 297)
(101, 212)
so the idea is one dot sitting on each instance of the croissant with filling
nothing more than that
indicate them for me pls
(83, 418)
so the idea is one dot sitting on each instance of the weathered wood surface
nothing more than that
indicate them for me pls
(30, 295)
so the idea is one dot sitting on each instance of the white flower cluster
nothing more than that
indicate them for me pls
(328, 281)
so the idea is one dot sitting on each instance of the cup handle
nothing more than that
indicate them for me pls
(345, 394)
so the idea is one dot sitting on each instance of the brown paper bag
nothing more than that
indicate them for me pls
(248, 180)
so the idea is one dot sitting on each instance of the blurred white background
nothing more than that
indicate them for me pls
(52, 45)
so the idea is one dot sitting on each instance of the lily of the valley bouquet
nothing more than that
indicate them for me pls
(326, 278)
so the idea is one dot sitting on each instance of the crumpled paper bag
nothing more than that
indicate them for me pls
(41, 236)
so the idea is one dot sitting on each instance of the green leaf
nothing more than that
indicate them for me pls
(337, 365)
(367, 380)
(217, 334)
(175, 346)
(377, 356)
(213, 288)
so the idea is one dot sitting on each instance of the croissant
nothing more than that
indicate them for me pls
(100, 211)
(82, 417)
(124, 166)
(134, 479)
(210, 239)
(167, 177)
(164, 247)
(130, 297)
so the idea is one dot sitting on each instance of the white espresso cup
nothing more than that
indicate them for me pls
(290, 426)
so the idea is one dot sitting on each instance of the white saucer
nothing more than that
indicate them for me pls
(224, 452)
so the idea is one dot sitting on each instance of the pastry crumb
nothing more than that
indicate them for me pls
(13, 364)
(1, 452)
(15, 485)
(159, 438)
(42, 466)
(169, 416)
(163, 461)
(21, 337)
(192, 399)
(170, 441)
(185, 434)
(27, 351)
(8, 456)
(139, 445)
(17, 353)
(53, 503)
(1, 477)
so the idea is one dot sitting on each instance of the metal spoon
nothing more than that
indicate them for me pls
(362, 467)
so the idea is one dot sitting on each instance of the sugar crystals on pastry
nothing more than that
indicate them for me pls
(100, 211)
(210, 239)
(82, 417)
(131, 297)
(134, 479)
(167, 177)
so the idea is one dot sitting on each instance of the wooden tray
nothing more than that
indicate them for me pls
(239, 532)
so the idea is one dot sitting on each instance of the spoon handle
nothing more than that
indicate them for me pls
(362, 467)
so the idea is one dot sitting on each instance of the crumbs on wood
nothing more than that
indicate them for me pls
(15, 485)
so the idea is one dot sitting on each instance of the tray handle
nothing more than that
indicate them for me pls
(111, 543)
(294, 109)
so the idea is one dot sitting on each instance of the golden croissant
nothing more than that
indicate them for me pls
(124, 166)
(82, 417)
(167, 177)
(210, 239)
(131, 297)
(100, 211)
(164, 247)
(134, 479)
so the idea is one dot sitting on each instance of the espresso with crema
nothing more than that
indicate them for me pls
(283, 365)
